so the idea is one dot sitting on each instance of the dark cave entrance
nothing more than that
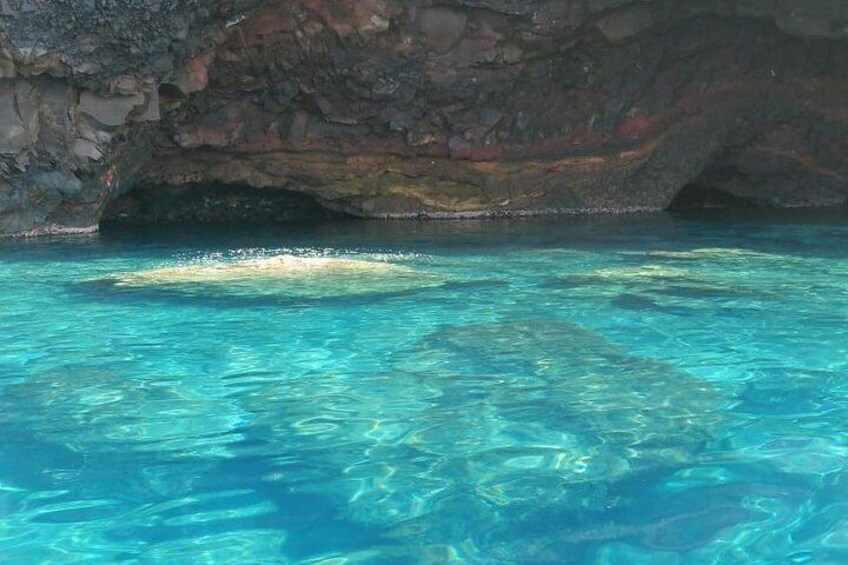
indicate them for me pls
(768, 172)
(718, 187)
(213, 204)
(699, 195)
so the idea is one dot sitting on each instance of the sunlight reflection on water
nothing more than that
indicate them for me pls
(600, 391)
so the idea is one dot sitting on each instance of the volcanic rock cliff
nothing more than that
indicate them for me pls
(155, 110)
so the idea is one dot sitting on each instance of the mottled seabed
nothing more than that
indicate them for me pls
(648, 389)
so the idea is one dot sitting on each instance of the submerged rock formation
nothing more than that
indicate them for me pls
(280, 276)
(383, 108)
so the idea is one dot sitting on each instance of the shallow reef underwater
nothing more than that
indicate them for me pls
(659, 389)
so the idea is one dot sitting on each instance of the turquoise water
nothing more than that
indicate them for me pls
(647, 389)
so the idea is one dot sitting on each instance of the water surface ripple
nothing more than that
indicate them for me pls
(650, 389)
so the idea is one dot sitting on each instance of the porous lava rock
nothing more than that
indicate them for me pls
(390, 108)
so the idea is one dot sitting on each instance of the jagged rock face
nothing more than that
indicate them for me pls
(405, 108)
(79, 98)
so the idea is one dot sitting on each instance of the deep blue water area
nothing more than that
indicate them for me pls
(639, 389)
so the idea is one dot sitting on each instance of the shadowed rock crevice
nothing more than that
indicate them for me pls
(706, 192)
(789, 163)
(213, 203)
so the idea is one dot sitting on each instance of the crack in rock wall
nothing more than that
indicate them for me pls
(384, 108)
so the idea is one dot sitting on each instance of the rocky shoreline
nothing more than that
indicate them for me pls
(418, 109)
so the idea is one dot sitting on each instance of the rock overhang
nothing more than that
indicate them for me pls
(387, 108)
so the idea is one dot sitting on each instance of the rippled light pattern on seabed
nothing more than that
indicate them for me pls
(649, 389)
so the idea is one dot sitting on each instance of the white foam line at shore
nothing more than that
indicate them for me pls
(55, 229)
(522, 213)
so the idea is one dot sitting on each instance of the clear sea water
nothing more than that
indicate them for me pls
(644, 389)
